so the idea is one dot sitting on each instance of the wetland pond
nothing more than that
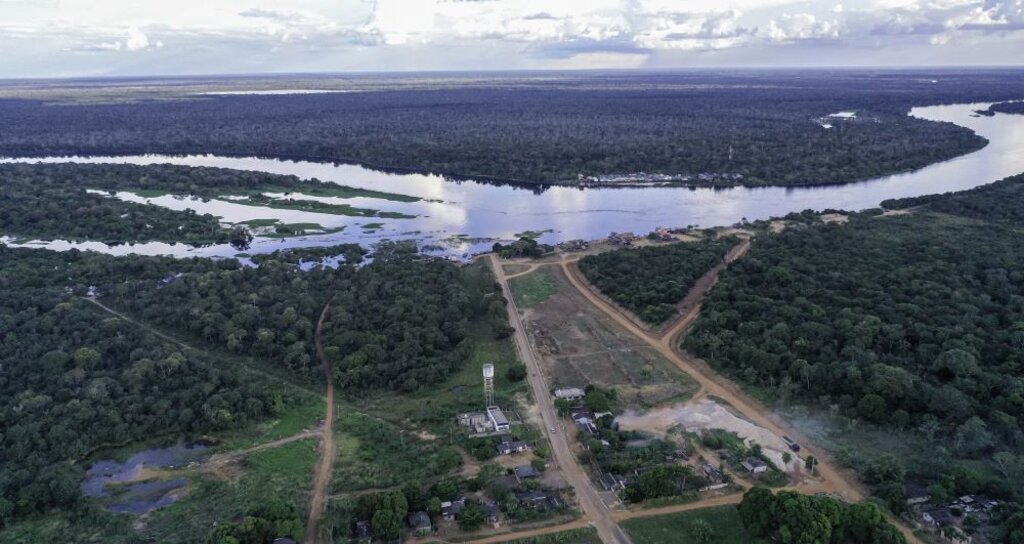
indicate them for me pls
(458, 218)
(145, 481)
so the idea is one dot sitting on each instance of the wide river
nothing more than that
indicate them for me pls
(466, 216)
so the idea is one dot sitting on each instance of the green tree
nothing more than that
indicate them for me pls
(386, 525)
(701, 531)
(472, 516)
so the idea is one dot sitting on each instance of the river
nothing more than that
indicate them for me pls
(464, 217)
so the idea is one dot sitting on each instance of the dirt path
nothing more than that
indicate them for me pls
(217, 464)
(689, 308)
(184, 345)
(322, 476)
(594, 509)
(530, 268)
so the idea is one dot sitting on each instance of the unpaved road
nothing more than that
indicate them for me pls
(322, 476)
(689, 308)
(594, 509)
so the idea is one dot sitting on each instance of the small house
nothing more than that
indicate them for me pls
(492, 512)
(508, 448)
(569, 393)
(915, 494)
(364, 531)
(450, 509)
(526, 472)
(754, 465)
(612, 482)
(939, 517)
(712, 473)
(420, 523)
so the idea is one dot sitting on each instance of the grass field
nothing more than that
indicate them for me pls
(580, 345)
(572, 536)
(284, 473)
(533, 288)
(300, 413)
(675, 528)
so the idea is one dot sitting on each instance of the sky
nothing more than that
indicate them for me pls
(76, 38)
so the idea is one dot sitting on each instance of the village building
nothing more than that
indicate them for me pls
(939, 517)
(516, 446)
(498, 420)
(569, 393)
(526, 472)
(915, 494)
(420, 523)
(364, 531)
(612, 482)
(754, 465)
(450, 509)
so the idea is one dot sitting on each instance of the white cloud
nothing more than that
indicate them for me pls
(380, 34)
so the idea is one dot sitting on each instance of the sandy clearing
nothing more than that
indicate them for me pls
(704, 414)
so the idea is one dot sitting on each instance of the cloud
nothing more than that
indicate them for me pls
(801, 27)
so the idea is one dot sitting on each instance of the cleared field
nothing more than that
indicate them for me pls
(724, 522)
(533, 288)
(580, 345)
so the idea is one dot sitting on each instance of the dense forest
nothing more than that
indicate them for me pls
(1002, 201)
(397, 323)
(74, 379)
(912, 323)
(762, 125)
(54, 200)
(793, 518)
(651, 281)
(1007, 107)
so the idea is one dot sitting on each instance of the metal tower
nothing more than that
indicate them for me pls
(489, 385)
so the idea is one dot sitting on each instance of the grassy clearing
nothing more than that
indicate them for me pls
(263, 201)
(533, 288)
(338, 191)
(586, 535)
(372, 226)
(675, 528)
(284, 472)
(299, 414)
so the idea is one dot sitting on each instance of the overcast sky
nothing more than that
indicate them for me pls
(60, 38)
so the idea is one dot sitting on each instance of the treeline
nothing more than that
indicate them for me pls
(651, 281)
(398, 323)
(790, 517)
(761, 125)
(1007, 107)
(999, 201)
(54, 201)
(75, 379)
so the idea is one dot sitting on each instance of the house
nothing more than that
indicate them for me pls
(569, 393)
(712, 473)
(622, 239)
(661, 234)
(364, 531)
(939, 517)
(526, 472)
(612, 482)
(508, 448)
(754, 465)
(450, 509)
(915, 494)
(477, 421)
(492, 513)
(587, 426)
(420, 523)
(539, 500)
(497, 418)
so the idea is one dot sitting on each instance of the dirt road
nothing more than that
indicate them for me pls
(322, 476)
(689, 308)
(594, 509)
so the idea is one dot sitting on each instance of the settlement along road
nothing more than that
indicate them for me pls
(594, 509)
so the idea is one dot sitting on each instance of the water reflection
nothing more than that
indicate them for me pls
(484, 212)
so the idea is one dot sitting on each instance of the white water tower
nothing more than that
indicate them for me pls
(489, 384)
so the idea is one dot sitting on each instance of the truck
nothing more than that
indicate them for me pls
(791, 443)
